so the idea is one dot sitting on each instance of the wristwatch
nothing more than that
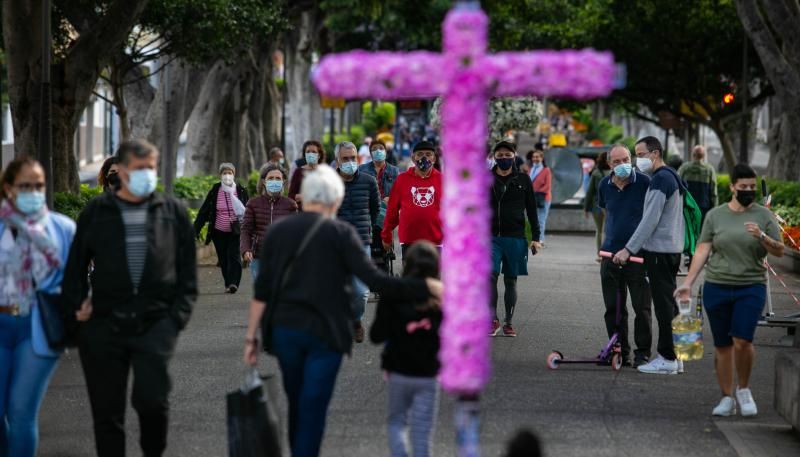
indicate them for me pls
(763, 236)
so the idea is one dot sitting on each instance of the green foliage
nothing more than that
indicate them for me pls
(194, 187)
(252, 184)
(602, 130)
(203, 31)
(355, 135)
(791, 214)
(71, 204)
(381, 118)
(192, 216)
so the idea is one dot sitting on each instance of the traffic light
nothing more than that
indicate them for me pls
(728, 98)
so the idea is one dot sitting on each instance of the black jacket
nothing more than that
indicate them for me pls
(169, 281)
(316, 298)
(361, 205)
(511, 199)
(208, 212)
(411, 336)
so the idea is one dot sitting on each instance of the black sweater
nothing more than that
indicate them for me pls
(316, 298)
(411, 336)
(512, 197)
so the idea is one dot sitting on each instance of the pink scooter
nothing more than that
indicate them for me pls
(612, 352)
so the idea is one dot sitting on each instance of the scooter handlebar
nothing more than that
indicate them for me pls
(633, 259)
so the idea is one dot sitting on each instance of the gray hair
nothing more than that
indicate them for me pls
(226, 166)
(344, 145)
(323, 186)
(618, 145)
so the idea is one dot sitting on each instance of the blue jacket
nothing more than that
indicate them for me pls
(61, 229)
(361, 205)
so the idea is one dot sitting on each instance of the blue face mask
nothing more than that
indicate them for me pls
(379, 155)
(29, 202)
(274, 187)
(349, 168)
(142, 183)
(424, 164)
(623, 170)
(312, 158)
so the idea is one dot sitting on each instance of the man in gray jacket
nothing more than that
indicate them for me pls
(360, 208)
(660, 237)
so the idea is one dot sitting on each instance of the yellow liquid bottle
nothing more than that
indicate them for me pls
(687, 333)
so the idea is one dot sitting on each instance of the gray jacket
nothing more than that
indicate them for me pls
(662, 227)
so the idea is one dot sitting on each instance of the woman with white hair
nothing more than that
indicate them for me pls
(307, 262)
(224, 212)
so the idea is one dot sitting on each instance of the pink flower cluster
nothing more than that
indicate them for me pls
(466, 77)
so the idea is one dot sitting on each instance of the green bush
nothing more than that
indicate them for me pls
(791, 214)
(71, 204)
(252, 184)
(194, 187)
(381, 118)
(355, 135)
(192, 216)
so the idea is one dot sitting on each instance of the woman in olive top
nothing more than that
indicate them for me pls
(736, 238)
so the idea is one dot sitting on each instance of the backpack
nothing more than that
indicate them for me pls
(692, 216)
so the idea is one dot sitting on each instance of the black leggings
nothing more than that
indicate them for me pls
(230, 261)
(510, 296)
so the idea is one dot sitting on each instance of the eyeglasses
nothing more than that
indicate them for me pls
(30, 186)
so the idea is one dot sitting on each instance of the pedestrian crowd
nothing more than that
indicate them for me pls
(124, 277)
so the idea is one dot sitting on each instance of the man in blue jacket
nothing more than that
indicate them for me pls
(621, 195)
(360, 208)
(386, 175)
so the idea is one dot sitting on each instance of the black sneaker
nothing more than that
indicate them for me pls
(232, 289)
(639, 360)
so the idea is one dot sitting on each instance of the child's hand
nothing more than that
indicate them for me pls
(435, 289)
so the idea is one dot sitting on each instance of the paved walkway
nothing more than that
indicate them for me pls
(578, 411)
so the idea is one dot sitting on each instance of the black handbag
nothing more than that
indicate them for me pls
(236, 226)
(52, 321)
(253, 426)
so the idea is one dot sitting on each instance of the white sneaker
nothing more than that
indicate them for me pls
(725, 408)
(747, 406)
(660, 365)
(680, 367)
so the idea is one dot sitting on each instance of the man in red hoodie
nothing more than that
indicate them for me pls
(414, 202)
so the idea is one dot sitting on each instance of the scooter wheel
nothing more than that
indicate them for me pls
(616, 362)
(553, 360)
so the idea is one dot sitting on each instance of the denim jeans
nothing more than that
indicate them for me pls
(542, 215)
(254, 266)
(23, 381)
(308, 369)
(360, 294)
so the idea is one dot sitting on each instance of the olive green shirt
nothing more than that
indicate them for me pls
(737, 258)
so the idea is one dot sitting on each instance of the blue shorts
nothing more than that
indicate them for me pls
(511, 254)
(733, 311)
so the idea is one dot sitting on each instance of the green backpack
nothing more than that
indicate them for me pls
(692, 217)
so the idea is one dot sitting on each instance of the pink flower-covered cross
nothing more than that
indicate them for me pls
(466, 77)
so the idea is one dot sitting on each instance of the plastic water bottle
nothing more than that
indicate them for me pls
(687, 333)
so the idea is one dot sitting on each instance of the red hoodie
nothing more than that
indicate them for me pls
(414, 205)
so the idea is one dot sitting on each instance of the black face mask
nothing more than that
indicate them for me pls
(745, 197)
(504, 164)
(113, 181)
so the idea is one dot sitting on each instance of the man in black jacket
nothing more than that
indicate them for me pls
(143, 288)
(360, 208)
(512, 197)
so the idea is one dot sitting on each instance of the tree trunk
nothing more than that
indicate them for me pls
(272, 104)
(205, 120)
(728, 153)
(303, 103)
(784, 142)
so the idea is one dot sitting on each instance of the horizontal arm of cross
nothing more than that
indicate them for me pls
(578, 74)
(381, 75)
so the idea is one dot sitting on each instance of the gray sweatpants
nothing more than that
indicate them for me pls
(413, 403)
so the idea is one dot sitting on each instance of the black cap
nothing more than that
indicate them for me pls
(505, 145)
(424, 146)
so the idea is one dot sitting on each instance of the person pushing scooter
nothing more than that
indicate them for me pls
(621, 195)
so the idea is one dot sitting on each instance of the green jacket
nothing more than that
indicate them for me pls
(702, 182)
(590, 201)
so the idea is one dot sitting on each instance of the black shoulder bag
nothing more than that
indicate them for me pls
(269, 313)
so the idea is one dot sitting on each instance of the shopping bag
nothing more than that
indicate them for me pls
(253, 426)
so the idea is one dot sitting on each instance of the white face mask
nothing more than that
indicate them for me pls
(227, 179)
(644, 164)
